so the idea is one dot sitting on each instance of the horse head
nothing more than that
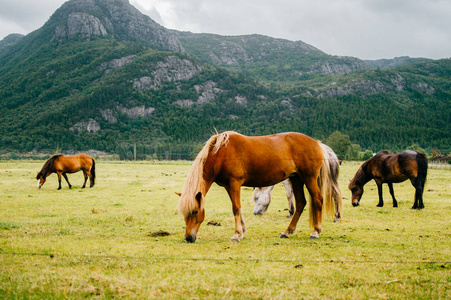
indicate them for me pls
(41, 179)
(194, 216)
(262, 199)
(357, 192)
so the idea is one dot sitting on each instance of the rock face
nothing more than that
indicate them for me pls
(171, 69)
(207, 91)
(91, 126)
(80, 25)
(392, 82)
(338, 65)
(137, 111)
(87, 19)
(117, 63)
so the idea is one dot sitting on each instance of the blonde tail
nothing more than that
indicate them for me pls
(325, 185)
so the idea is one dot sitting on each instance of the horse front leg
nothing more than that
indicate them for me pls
(67, 180)
(234, 193)
(299, 198)
(379, 191)
(392, 193)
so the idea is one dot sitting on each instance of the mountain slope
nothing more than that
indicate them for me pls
(266, 58)
(100, 75)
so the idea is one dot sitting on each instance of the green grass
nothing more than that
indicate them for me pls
(85, 243)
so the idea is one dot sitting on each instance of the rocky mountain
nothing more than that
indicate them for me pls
(87, 19)
(101, 75)
(393, 63)
(10, 40)
(257, 54)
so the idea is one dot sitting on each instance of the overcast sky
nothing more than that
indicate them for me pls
(367, 29)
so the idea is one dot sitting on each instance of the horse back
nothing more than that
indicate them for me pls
(73, 163)
(267, 160)
(397, 167)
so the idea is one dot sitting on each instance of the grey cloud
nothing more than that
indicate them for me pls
(368, 29)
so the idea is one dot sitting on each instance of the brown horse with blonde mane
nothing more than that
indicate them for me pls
(233, 160)
(61, 165)
(389, 168)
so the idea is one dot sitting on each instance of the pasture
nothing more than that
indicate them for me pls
(110, 242)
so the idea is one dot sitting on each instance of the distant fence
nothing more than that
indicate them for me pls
(439, 165)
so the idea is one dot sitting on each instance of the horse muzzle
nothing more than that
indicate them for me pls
(356, 203)
(190, 238)
(259, 211)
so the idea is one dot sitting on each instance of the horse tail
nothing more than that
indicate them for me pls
(93, 172)
(334, 164)
(325, 183)
(422, 163)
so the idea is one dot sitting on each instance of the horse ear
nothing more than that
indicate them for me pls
(178, 193)
(199, 198)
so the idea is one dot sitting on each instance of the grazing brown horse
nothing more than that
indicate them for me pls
(262, 195)
(389, 168)
(233, 160)
(61, 165)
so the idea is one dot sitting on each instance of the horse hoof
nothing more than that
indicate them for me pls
(234, 239)
(313, 236)
(380, 205)
(283, 236)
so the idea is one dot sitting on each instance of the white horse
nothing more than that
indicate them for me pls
(262, 195)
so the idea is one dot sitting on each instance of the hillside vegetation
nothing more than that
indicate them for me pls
(94, 78)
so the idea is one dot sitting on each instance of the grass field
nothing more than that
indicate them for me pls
(103, 242)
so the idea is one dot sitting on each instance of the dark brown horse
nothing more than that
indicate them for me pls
(233, 160)
(61, 165)
(389, 168)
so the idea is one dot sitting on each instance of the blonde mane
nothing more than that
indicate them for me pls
(195, 181)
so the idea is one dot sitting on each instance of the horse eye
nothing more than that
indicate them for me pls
(194, 212)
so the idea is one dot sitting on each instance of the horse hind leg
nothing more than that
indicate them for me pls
(59, 180)
(336, 193)
(316, 207)
(419, 186)
(89, 174)
(91, 180)
(299, 197)
(85, 174)
(337, 200)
